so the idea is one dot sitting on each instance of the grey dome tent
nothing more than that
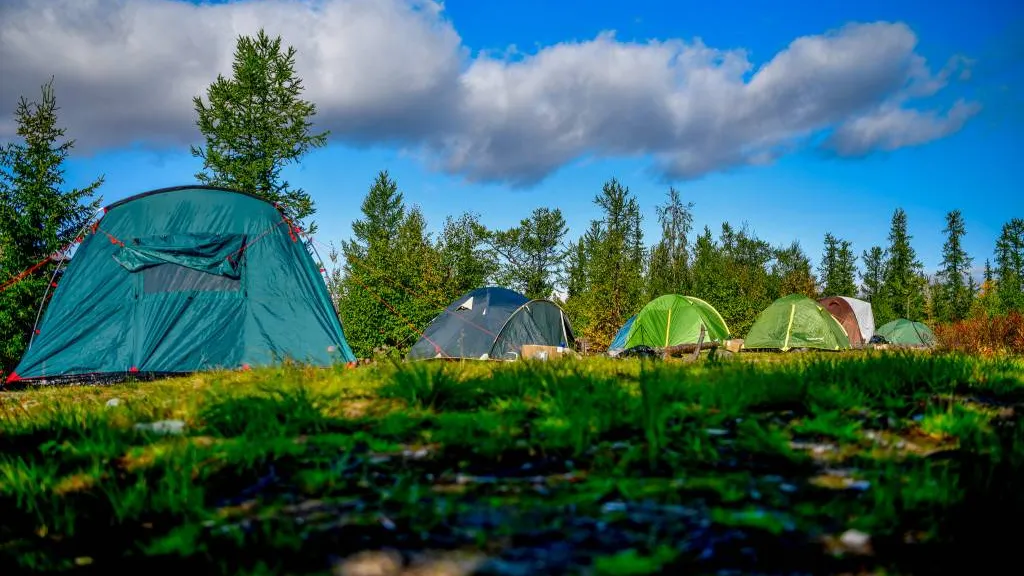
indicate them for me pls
(493, 323)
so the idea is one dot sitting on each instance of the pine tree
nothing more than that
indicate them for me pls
(987, 303)
(792, 271)
(838, 268)
(669, 258)
(935, 305)
(531, 252)
(751, 286)
(903, 283)
(465, 259)
(576, 268)
(1009, 270)
(576, 279)
(709, 279)
(615, 258)
(40, 217)
(383, 289)
(873, 275)
(256, 123)
(847, 283)
(954, 295)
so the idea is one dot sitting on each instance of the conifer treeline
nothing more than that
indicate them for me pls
(606, 274)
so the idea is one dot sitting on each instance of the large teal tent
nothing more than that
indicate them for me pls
(186, 279)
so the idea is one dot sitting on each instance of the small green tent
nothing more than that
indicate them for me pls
(671, 320)
(185, 279)
(796, 321)
(903, 332)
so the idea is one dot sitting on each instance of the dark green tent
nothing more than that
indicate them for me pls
(493, 323)
(186, 279)
(903, 332)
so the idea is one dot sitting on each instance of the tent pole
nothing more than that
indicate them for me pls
(668, 325)
(789, 327)
(42, 302)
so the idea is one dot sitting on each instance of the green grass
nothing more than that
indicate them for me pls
(587, 466)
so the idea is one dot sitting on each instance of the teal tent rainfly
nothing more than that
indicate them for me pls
(182, 280)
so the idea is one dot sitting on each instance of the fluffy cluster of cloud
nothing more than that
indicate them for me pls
(396, 71)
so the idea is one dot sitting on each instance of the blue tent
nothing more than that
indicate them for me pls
(619, 342)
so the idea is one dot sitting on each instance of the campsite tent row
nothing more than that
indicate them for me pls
(835, 323)
(194, 278)
(791, 322)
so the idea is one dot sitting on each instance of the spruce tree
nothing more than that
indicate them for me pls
(838, 268)
(847, 282)
(669, 259)
(1009, 270)
(954, 295)
(903, 281)
(872, 276)
(256, 123)
(40, 216)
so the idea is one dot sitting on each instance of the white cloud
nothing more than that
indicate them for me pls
(396, 71)
(889, 128)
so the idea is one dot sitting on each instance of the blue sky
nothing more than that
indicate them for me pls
(801, 194)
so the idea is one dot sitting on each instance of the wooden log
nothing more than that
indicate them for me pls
(681, 349)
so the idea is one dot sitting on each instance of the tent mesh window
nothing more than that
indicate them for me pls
(170, 276)
(176, 278)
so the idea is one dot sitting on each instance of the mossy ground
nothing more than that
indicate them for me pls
(578, 466)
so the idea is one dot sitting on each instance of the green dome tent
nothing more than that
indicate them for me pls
(796, 321)
(185, 279)
(903, 332)
(671, 320)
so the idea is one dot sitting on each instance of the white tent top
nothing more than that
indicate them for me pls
(865, 317)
